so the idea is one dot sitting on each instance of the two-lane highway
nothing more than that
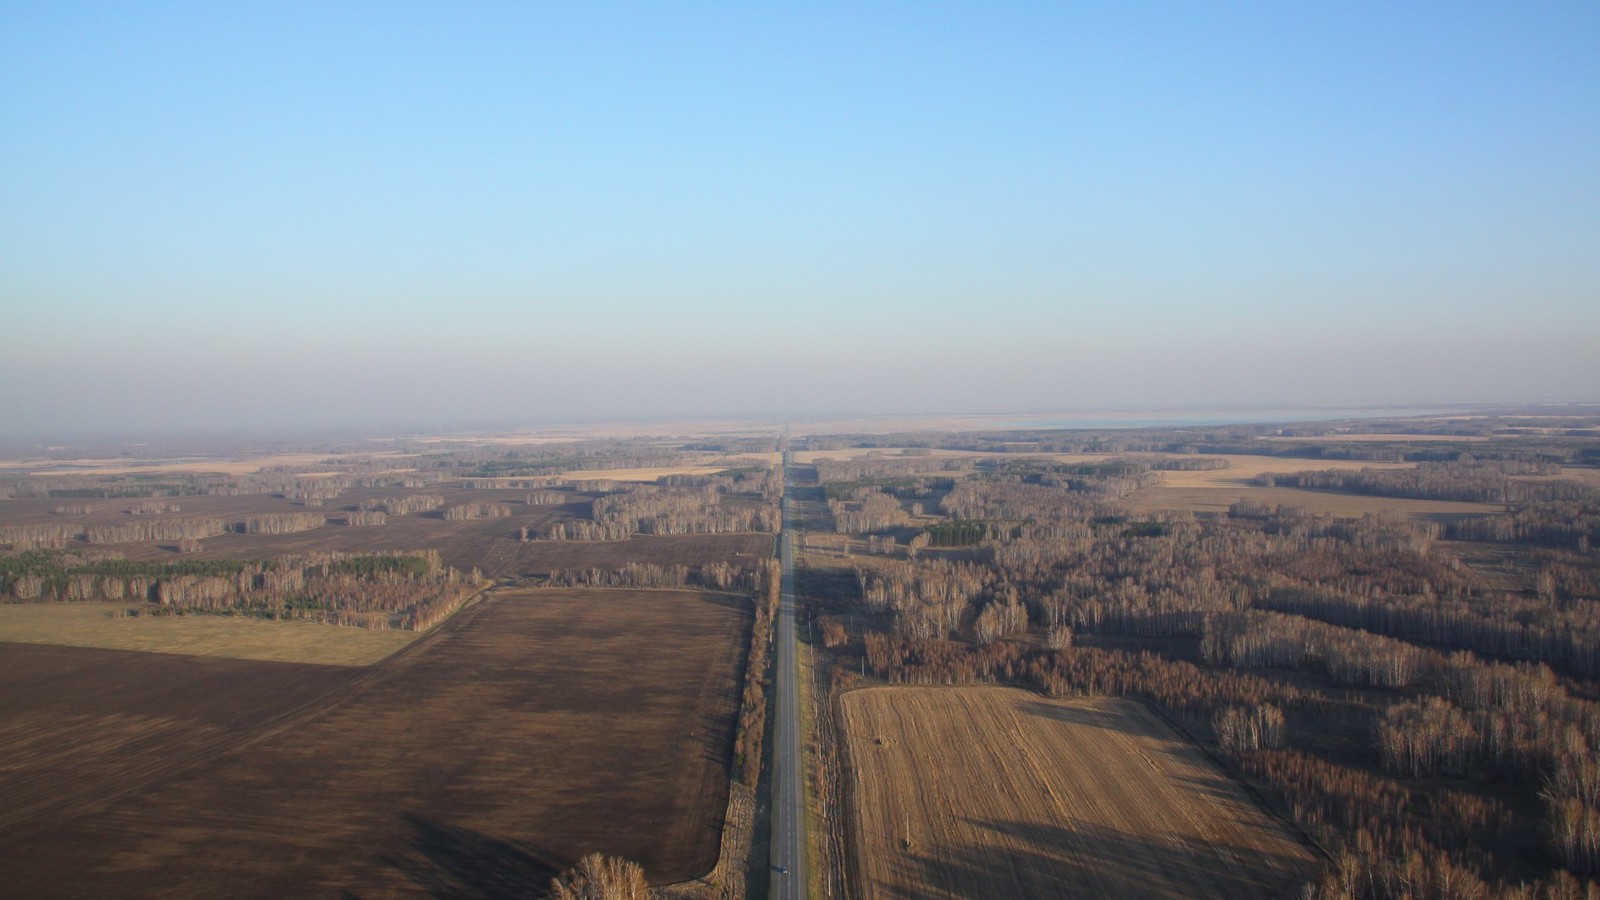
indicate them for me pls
(788, 771)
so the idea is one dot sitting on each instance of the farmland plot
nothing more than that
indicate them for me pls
(996, 792)
(523, 733)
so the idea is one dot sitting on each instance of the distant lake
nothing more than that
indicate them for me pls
(1203, 418)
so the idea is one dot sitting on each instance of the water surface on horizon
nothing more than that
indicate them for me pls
(1212, 418)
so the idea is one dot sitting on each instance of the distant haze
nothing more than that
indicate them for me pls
(214, 216)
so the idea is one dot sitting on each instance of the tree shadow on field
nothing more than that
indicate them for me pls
(1083, 859)
(1092, 716)
(1214, 789)
(459, 863)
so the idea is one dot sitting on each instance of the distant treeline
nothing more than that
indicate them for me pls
(467, 511)
(1541, 507)
(373, 590)
(717, 576)
(406, 505)
(1549, 440)
(310, 491)
(57, 535)
(700, 506)
(1480, 482)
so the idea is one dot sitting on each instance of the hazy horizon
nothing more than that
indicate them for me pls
(165, 440)
(363, 215)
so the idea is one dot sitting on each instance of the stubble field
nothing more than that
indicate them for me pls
(530, 729)
(1214, 490)
(997, 792)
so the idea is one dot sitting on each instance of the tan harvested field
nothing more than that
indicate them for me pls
(96, 625)
(1243, 468)
(1215, 490)
(525, 732)
(491, 545)
(997, 792)
(1582, 473)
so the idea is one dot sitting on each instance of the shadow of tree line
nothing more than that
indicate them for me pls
(454, 863)
(1084, 859)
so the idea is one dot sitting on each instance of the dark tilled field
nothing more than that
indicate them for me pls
(80, 727)
(531, 729)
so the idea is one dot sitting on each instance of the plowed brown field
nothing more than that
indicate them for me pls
(528, 730)
(997, 792)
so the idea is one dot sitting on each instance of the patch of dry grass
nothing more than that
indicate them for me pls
(641, 474)
(97, 625)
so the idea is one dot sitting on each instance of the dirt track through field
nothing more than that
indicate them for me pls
(997, 792)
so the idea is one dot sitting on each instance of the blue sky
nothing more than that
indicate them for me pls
(262, 213)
